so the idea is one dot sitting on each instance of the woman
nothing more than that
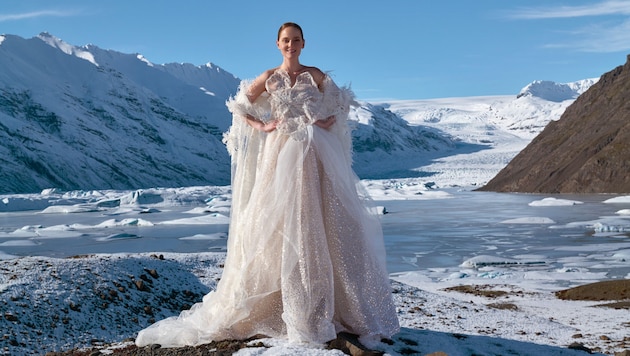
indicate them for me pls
(305, 256)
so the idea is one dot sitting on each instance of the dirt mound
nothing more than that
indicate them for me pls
(617, 290)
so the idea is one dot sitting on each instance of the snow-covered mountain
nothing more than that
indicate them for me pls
(87, 118)
(504, 123)
(556, 92)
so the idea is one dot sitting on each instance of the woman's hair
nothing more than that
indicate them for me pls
(290, 24)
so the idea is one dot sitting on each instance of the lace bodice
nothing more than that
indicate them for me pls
(296, 105)
(280, 80)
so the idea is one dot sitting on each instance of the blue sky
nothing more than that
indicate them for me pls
(398, 49)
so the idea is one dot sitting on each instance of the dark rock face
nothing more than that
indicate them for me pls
(586, 151)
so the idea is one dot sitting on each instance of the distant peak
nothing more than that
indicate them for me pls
(66, 47)
(556, 92)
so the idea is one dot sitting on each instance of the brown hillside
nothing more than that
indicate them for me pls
(586, 151)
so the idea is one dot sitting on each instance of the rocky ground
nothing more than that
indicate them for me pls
(128, 348)
(607, 291)
(346, 343)
(94, 305)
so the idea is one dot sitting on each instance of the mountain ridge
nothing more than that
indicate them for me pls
(71, 124)
(86, 118)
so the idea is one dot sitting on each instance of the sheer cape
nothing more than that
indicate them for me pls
(305, 256)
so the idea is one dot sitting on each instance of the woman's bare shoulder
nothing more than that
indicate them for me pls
(266, 74)
(257, 87)
(316, 73)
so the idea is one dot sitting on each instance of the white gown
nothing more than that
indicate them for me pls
(305, 256)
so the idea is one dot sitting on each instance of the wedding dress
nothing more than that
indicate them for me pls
(305, 256)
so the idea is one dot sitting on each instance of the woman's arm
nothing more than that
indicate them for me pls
(326, 123)
(258, 86)
(319, 77)
(253, 92)
(260, 125)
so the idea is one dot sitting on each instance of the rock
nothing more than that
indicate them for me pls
(153, 273)
(585, 151)
(10, 317)
(350, 345)
(148, 310)
(579, 346)
(141, 286)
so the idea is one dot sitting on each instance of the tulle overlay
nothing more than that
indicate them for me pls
(305, 256)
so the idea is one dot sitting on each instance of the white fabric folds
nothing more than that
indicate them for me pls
(305, 258)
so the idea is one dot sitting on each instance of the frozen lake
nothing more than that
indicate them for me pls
(437, 236)
(434, 235)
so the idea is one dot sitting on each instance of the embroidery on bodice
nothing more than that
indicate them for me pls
(295, 106)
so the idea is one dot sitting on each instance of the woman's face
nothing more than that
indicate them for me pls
(290, 42)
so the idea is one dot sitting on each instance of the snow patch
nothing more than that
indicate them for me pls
(206, 91)
(143, 59)
(217, 236)
(618, 200)
(554, 202)
(200, 220)
(67, 48)
(117, 237)
(13, 243)
(68, 209)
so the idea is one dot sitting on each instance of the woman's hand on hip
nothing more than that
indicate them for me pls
(260, 125)
(326, 123)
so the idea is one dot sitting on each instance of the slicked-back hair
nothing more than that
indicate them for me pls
(290, 24)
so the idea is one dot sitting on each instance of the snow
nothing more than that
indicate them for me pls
(620, 200)
(556, 92)
(62, 113)
(551, 201)
(143, 59)
(67, 48)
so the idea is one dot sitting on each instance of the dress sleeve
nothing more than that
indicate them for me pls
(336, 102)
(244, 143)
(240, 133)
(239, 105)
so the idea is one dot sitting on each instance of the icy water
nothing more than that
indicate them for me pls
(436, 234)
(442, 234)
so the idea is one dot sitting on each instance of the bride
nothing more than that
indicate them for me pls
(305, 256)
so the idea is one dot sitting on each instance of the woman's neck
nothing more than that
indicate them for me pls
(292, 67)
